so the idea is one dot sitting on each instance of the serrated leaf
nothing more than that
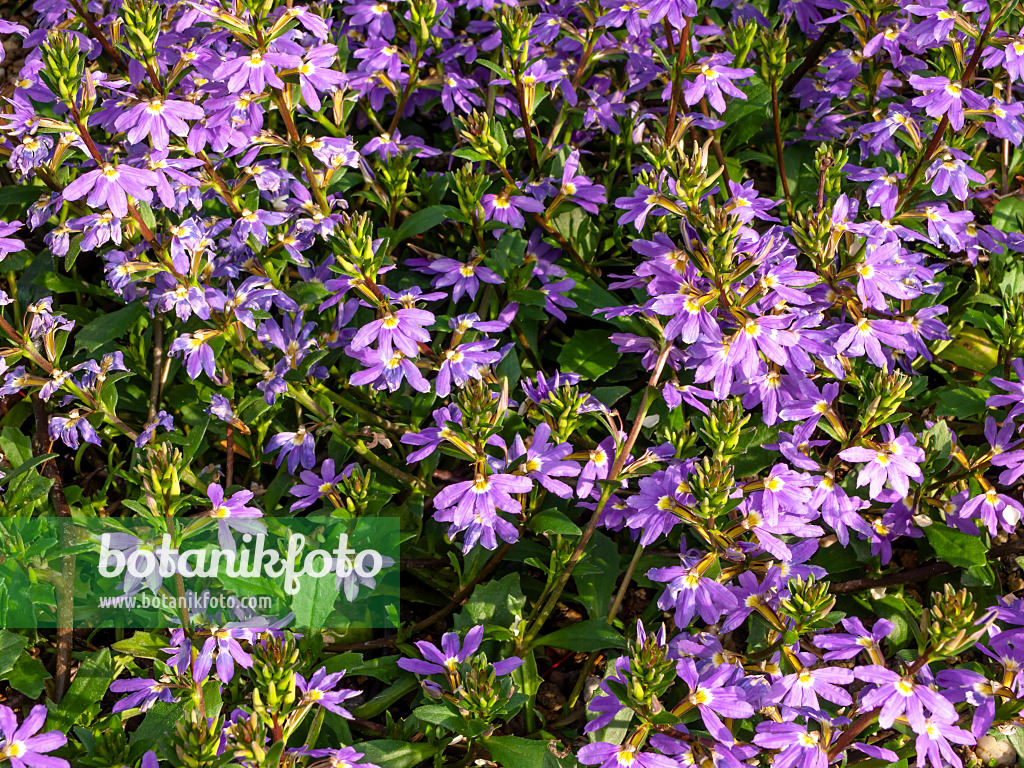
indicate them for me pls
(108, 326)
(589, 353)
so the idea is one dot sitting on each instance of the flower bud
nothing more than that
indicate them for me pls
(63, 65)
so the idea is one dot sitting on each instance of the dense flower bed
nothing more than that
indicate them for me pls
(682, 337)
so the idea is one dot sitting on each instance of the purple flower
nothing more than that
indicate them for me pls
(320, 689)
(1015, 390)
(198, 354)
(714, 697)
(899, 695)
(298, 447)
(445, 660)
(404, 330)
(803, 687)
(896, 460)
(69, 428)
(606, 755)
(222, 643)
(942, 98)
(232, 513)
(507, 209)
(846, 645)
(312, 486)
(157, 119)
(161, 419)
(545, 462)
(9, 244)
(715, 79)
(690, 592)
(463, 363)
(110, 185)
(142, 693)
(21, 744)
(472, 506)
(578, 188)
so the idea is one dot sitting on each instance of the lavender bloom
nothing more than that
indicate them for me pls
(445, 660)
(142, 693)
(222, 643)
(161, 419)
(691, 593)
(463, 363)
(404, 330)
(111, 185)
(312, 486)
(320, 689)
(158, 119)
(714, 697)
(899, 695)
(298, 447)
(896, 460)
(942, 97)
(507, 209)
(578, 188)
(69, 428)
(846, 645)
(1016, 391)
(545, 462)
(606, 755)
(24, 746)
(472, 506)
(233, 514)
(714, 80)
(803, 687)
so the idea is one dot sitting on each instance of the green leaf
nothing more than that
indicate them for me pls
(396, 754)
(11, 646)
(493, 602)
(92, 680)
(314, 601)
(108, 326)
(960, 549)
(517, 752)
(589, 353)
(553, 521)
(959, 402)
(421, 221)
(160, 720)
(1008, 214)
(584, 637)
(971, 349)
(17, 194)
(28, 676)
(596, 574)
(577, 226)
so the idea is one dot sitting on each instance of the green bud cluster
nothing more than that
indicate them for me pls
(740, 36)
(63, 65)
(772, 44)
(357, 256)
(111, 748)
(722, 429)
(808, 604)
(470, 185)
(422, 17)
(141, 21)
(195, 742)
(830, 162)
(721, 235)
(651, 672)
(712, 485)
(884, 393)
(484, 135)
(515, 24)
(275, 661)
(951, 624)
(813, 233)
(393, 176)
(1013, 327)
